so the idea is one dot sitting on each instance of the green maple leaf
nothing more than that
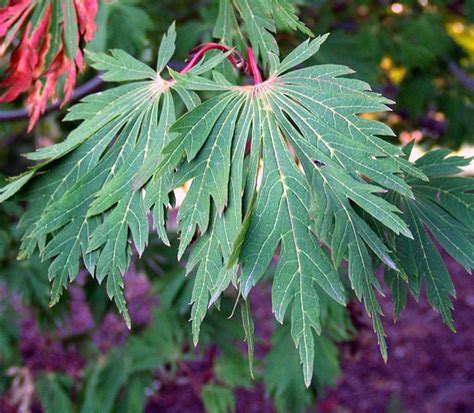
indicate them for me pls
(303, 129)
(86, 206)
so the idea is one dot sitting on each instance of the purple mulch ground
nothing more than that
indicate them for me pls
(430, 369)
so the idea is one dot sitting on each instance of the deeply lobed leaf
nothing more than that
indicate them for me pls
(307, 167)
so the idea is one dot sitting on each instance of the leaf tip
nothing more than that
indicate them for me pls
(307, 375)
(127, 319)
(195, 338)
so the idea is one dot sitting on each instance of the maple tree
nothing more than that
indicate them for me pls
(279, 164)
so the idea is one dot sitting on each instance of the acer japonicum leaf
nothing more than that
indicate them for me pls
(304, 114)
(43, 39)
(282, 168)
(314, 172)
(87, 206)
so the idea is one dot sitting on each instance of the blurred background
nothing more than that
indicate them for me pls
(80, 357)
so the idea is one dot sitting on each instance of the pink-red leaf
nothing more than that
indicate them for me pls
(28, 71)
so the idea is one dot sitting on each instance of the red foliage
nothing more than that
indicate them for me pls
(35, 67)
(86, 11)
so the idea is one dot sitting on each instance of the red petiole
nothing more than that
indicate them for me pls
(238, 62)
(253, 67)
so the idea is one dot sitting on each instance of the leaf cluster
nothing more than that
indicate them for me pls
(282, 169)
